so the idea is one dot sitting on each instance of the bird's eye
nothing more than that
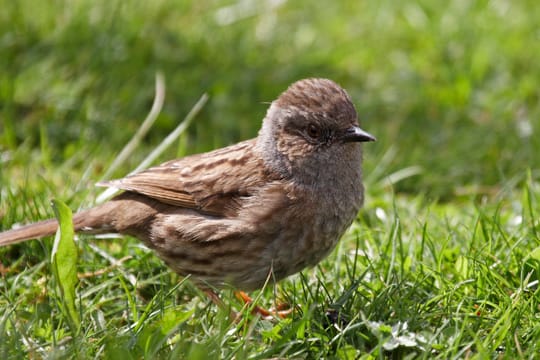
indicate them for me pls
(313, 131)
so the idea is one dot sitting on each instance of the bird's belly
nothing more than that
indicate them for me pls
(248, 260)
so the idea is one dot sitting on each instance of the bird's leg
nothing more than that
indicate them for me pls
(216, 300)
(282, 313)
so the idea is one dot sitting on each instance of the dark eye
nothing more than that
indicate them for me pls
(313, 131)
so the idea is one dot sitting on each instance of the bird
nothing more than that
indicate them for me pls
(264, 208)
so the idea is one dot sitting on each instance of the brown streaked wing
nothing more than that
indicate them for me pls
(213, 183)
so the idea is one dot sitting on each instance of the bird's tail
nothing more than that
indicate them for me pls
(95, 220)
(29, 232)
(127, 213)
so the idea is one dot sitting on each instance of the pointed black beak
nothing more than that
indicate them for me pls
(355, 134)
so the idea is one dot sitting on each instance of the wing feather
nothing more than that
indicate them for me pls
(214, 183)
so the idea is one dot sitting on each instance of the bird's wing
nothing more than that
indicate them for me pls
(213, 183)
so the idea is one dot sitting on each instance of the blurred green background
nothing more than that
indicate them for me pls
(450, 87)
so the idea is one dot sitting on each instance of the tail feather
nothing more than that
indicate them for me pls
(28, 232)
(94, 221)
(111, 216)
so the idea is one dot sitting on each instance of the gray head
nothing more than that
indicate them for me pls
(311, 126)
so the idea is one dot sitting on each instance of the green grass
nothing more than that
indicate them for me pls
(442, 262)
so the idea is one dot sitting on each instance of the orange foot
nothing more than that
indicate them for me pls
(281, 311)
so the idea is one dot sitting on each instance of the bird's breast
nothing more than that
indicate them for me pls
(311, 229)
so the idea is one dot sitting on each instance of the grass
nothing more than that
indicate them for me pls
(442, 262)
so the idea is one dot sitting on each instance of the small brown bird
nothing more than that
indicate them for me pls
(263, 208)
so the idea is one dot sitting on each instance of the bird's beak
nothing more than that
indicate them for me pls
(355, 134)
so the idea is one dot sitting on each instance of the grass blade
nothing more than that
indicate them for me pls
(64, 262)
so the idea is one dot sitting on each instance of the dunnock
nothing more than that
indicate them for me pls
(268, 206)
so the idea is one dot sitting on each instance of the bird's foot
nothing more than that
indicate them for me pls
(281, 310)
